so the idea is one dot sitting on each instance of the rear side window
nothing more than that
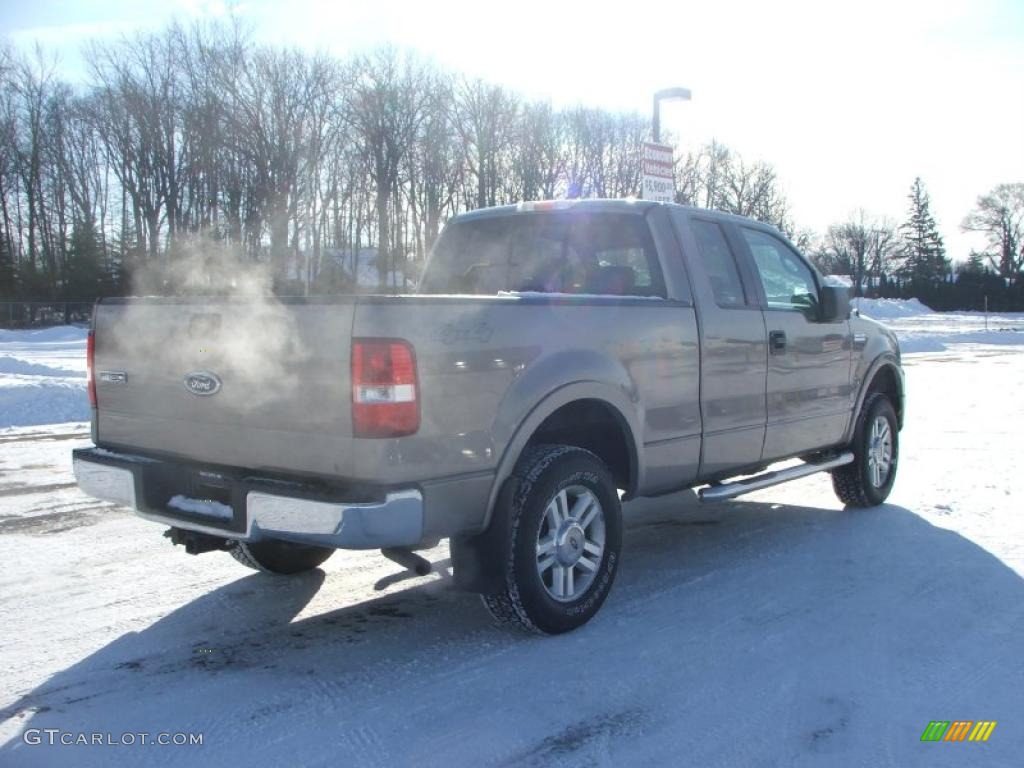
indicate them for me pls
(607, 254)
(469, 259)
(719, 263)
(621, 254)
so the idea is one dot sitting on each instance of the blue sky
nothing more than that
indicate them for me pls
(849, 101)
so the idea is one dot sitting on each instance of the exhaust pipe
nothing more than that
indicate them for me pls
(408, 559)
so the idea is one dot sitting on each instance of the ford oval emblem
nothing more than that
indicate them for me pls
(202, 383)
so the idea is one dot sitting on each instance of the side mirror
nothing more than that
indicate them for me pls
(835, 303)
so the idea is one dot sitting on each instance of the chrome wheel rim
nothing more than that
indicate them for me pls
(570, 543)
(879, 451)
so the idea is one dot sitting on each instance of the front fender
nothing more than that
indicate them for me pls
(863, 382)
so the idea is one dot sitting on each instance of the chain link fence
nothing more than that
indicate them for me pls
(41, 314)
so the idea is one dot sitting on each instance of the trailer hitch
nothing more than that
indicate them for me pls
(196, 543)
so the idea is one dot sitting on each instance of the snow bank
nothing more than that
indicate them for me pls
(42, 376)
(843, 281)
(882, 309)
(30, 400)
(40, 335)
(928, 341)
(919, 329)
(21, 367)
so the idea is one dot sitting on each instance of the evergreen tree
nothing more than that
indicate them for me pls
(82, 273)
(975, 265)
(7, 290)
(923, 253)
(124, 254)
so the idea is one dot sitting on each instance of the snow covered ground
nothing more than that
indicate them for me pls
(777, 630)
(42, 376)
(922, 330)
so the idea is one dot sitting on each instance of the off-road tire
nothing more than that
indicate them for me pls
(852, 482)
(283, 557)
(522, 600)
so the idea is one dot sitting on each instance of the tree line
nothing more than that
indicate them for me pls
(886, 259)
(288, 158)
(300, 162)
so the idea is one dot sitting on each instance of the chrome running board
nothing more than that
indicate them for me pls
(767, 479)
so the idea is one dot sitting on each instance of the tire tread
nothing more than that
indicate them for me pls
(506, 607)
(241, 552)
(847, 480)
(279, 557)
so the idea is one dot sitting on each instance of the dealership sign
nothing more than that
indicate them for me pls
(658, 182)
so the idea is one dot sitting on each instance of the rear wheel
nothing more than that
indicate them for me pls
(277, 556)
(560, 534)
(869, 479)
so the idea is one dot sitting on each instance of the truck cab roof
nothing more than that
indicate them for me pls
(605, 205)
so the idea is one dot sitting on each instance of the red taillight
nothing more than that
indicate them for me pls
(385, 397)
(90, 357)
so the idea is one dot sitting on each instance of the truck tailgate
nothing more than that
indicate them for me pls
(283, 369)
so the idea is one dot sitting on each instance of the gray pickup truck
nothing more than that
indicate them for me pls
(557, 358)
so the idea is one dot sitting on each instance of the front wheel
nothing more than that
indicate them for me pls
(876, 448)
(282, 557)
(560, 534)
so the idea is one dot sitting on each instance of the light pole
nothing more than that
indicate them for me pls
(666, 93)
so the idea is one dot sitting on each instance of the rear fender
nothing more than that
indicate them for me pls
(475, 567)
(607, 382)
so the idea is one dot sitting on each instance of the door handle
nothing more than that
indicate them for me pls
(777, 342)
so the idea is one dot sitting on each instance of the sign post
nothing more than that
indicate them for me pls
(658, 181)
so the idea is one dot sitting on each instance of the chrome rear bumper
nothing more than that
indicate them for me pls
(395, 521)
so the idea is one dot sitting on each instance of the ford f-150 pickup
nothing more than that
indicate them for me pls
(556, 358)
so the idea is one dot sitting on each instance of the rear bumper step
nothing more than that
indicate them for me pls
(255, 512)
(768, 479)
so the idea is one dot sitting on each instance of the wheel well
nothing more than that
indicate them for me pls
(886, 382)
(597, 427)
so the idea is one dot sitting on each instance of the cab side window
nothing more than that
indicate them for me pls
(788, 282)
(719, 263)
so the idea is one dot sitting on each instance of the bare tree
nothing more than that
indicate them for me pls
(716, 177)
(485, 119)
(385, 108)
(140, 110)
(999, 215)
(883, 246)
(299, 159)
(629, 132)
(34, 86)
(435, 166)
(538, 155)
(860, 247)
